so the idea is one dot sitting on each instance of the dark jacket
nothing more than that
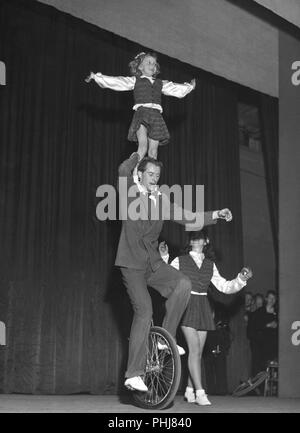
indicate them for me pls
(138, 244)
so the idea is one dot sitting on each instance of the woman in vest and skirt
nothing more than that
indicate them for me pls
(198, 264)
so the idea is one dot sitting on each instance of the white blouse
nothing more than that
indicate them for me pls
(127, 83)
(218, 281)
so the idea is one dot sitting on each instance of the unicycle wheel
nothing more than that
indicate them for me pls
(252, 383)
(162, 372)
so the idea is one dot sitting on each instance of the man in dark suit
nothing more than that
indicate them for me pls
(143, 210)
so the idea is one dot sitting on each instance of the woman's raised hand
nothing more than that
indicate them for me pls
(225, 214)
(246, 273)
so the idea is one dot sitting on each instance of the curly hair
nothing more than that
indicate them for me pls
(135, 63)
(207, 249)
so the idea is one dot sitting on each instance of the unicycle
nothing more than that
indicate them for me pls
(162, 372)
(250, 385)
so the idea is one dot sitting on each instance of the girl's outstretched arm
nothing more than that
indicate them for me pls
(178, 90)
(113, 83)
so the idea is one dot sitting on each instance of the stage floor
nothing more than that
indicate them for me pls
(17, 403)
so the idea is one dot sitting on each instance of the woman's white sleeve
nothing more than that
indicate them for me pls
(114, 83)
(174, 89)
(225, 286)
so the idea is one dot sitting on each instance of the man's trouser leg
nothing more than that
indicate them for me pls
(135, 283)
(174, 286)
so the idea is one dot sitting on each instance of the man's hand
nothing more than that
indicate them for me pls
(225, 214)
(163, 249)
(245, 273)
(193, 83)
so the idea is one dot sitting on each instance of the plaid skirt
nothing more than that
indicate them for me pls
(198, 314)
(153, 121)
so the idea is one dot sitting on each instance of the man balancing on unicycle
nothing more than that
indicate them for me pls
(143, 209)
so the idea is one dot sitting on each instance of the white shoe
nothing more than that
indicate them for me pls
(189, 396)
(136, 384)
(202, 400)
(180, 350)
(162, 346)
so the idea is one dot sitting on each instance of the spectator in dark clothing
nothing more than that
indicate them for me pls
(259, 301)
(270, 322)
(262, 334)
(215, 354)
(249, 306)
(249, 302)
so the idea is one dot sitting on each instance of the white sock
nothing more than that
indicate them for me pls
(200, 391)
(189, 390)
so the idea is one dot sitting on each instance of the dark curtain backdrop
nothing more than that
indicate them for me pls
(66, 312)
(269, 116)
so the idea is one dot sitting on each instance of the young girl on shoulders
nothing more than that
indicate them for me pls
(148, 127)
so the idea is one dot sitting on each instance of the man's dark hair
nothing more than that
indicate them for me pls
(143, 164)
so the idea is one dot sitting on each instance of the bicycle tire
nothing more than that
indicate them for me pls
(162, 372)
(250, 384)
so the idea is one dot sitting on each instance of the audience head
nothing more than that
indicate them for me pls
(259, 300)
(248, 299)
(271, 298)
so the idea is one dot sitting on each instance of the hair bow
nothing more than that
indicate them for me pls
(139, 55)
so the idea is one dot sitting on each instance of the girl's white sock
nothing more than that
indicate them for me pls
(189, 389)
